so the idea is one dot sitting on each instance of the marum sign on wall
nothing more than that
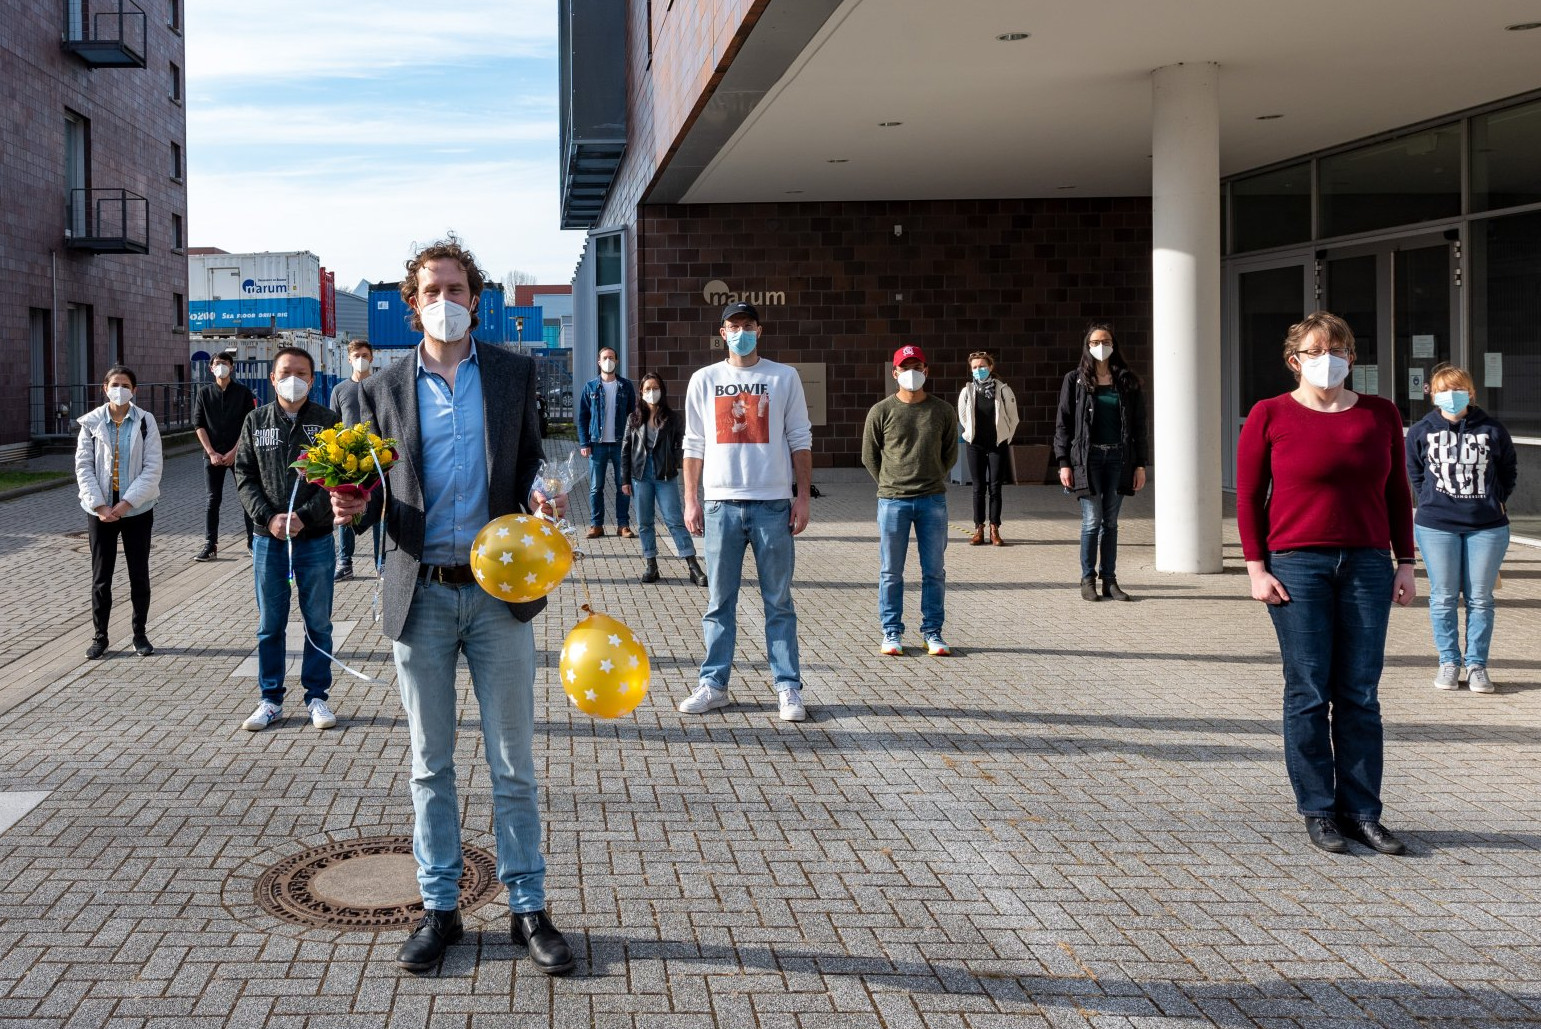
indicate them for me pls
(718, 294)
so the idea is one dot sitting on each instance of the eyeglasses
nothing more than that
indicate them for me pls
(1342, 352)
(979, 355)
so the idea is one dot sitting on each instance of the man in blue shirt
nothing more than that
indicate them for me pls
(469, 430)
(603, 409)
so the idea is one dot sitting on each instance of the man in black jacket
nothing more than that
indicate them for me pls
(220, 410)
(293, 533)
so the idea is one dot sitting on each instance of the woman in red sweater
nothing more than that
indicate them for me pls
(1321, 495)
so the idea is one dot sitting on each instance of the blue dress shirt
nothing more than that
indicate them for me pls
(453, 427)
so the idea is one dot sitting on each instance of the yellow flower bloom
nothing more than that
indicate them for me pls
(334, 453)
(350, 465)
(366, 463)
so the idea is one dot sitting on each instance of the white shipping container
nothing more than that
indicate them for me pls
(292, 275)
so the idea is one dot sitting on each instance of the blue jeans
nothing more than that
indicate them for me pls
(1099, 513)
(1332, 637)
(602, 456)
(732, 525)
(929, 517)
(1462, 562)
(346, 545)
(443, 623)
(666, 493)
(313, 577)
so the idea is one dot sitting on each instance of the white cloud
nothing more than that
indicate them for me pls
(346, 124)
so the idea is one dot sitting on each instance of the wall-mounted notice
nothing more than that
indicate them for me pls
(816, 390)
(1415, 384)
(1367, 379)
(1492, 370)
(1423, 347)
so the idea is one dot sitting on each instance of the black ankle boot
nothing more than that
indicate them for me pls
(697, 573)
(1089, 588)
(650, 569)
(1111, 591)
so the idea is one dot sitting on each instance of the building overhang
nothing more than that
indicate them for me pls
(592, 49)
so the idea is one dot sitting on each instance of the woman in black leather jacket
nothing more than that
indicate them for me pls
(651, 458)
(1100, 444)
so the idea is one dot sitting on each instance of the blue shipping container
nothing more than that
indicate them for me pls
(390, 318)
(533, 334)
(290, 313)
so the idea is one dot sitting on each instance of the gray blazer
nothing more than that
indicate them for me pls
(389, 400)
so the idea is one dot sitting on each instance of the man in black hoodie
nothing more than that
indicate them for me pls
(292, 532)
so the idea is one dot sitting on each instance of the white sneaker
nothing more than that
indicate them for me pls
(266, 714)
(1449, 677)
(705, 698)
(792, 709)
(892, 645)
(936, 647)
(320, 715)
(1477, 680)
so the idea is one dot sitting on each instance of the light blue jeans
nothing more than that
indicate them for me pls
(1462, 562)
(666, 494)
(929, 517)
(444, 622)
(732, 525)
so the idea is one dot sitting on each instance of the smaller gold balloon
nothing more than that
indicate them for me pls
(604, 668)
(520, 558)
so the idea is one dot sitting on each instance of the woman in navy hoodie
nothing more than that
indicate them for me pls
(1462, 465)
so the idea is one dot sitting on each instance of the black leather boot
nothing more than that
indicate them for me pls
(428, 942)
(548, 947)
(650, 569)
(1111, 591)
(697, 573)
(1089, 588)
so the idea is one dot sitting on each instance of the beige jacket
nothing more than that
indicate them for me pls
(1006, 419)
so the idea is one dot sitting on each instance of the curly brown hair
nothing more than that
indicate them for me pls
(448, 248)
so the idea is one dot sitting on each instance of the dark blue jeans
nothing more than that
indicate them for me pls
(1332, 637)
(1099, 513)
(602, 456)
(313, 580)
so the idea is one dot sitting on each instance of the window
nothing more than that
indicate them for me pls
(77, 137)
(1400, 181)
(1506, 158)
(1505, 310)
(1271, 209)
(179, 316)
(178, 239)
(608, 250)
(174, 15)
(176, 161)
(115, 339)
(176, 83)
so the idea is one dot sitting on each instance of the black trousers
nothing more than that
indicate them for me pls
(214, 475)
(135, 534)
(988, 468)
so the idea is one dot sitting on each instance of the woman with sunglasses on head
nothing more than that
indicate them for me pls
(987, 413)
(1321, 499)
(652, 455)
(118, 471)
(1462, 465)
(1100, 444)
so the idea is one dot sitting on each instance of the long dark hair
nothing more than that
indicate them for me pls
(660, 411)
(1123, 376)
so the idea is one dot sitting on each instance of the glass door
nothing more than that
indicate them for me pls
(1263, 299)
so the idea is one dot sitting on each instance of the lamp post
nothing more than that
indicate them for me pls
(519, 330)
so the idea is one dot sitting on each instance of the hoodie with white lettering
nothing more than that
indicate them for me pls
(1462, 472)
(744, 424)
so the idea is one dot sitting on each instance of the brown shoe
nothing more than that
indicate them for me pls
(995, 536)
(625, 533)
(978, 537)
(596, 531)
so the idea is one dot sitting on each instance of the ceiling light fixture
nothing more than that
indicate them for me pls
(791, 191)
(838, 160)
(1012, 37)
(1269, 117)
(1064, 187)
(1524, 26)
(889, 124)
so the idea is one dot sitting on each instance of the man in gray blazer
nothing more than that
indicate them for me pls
(469, 431)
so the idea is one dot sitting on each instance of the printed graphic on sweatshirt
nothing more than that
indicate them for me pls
(743, 412)
(1458, 463)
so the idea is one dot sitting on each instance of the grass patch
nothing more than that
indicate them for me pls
(11, 480)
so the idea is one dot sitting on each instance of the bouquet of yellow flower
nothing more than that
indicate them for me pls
(347, 460)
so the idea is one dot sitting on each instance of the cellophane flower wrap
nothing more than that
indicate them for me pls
(347, 459)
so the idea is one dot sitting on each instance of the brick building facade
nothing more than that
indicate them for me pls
(94, 225)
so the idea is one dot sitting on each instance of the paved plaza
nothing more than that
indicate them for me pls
(1081, 818)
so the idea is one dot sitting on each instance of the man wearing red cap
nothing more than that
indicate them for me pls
(909, 443)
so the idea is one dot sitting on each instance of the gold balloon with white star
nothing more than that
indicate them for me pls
(520, 558)
(604, 668)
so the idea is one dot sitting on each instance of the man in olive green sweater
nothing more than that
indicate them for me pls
(909, 444)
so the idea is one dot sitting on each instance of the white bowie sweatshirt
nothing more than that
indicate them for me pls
(745, 424)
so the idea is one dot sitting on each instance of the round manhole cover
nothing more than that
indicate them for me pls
(363, 884)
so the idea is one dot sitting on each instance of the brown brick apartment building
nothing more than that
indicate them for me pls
(93, 225)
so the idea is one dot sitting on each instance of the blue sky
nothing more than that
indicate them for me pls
(353, 129)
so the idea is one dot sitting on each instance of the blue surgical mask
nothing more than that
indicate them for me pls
(981, 374)
(1452, 401)
(741, 341)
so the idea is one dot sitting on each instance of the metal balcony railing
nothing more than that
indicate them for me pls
(107, 221)
(113, 36)
(54, 409)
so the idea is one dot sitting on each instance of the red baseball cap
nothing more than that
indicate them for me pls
(908, 353)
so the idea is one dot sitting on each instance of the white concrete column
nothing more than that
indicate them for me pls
(1185, 286)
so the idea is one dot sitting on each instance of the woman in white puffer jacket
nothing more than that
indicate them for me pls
(118, 469)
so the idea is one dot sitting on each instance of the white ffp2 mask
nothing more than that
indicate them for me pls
(445, 320)
(292, 388)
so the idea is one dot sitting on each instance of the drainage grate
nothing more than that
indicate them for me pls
(369, 883)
